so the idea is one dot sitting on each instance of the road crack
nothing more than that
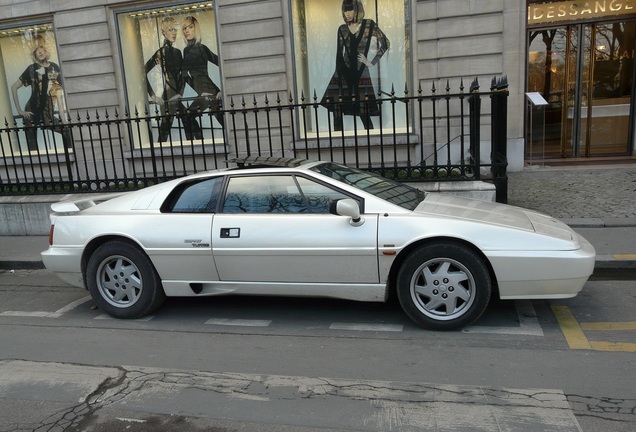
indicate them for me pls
(614, 409)
(66, 419)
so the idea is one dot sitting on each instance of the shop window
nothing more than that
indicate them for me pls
(352, 49)
(171, 69)
(32, 91)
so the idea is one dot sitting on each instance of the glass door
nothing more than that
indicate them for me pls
(605, 113)
(547, 71)
(586, 73)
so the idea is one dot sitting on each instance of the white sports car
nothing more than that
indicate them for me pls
(302, 228)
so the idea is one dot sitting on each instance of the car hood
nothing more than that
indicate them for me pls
(451, 206)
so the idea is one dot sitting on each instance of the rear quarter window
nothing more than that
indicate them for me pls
(194, 197)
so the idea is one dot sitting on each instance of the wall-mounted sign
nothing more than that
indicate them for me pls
(536, 99)
(542, 13)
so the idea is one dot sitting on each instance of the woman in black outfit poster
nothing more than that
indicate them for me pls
(196, 57)
(45, 80)
(352, 78)
(170, 60)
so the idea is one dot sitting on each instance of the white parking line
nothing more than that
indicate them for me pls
(238, 322)
(131, 420)
(58, 313)
(41, 314)
(528, 323)
(26, 314)
(367, 327)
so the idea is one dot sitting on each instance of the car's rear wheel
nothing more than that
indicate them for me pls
(122, 281)
(443, 286)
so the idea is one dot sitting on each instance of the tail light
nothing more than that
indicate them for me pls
(51, 235)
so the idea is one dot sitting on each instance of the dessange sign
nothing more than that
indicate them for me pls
(578, 10)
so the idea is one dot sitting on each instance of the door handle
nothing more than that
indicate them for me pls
(230, 232)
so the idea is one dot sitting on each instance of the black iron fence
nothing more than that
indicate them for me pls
(437, 136)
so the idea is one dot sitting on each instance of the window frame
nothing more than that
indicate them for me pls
(294, 176)
(173, 197)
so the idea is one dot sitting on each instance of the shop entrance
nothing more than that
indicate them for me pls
(586, 73)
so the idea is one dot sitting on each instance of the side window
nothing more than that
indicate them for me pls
(319, 197)
(198, 197)
(264, 194)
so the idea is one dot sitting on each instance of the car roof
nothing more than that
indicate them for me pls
(269, 162)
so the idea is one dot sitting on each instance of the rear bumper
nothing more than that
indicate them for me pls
(66, 263)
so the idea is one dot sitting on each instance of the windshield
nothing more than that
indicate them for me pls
(396, 193)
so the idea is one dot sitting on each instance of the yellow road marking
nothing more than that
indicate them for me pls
(576, 339)
(602, 326)
(614, 346)
(571, 329)
(624, 256)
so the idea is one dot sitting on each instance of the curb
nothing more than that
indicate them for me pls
(610, 262)
(599, 222)
(609, 268)
(21, 265)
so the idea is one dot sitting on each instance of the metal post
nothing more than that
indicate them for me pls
(474, 103)
(499, 129)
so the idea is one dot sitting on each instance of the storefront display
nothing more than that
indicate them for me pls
(583, 65)
(33, 92)
(171, 69)
(348, 51)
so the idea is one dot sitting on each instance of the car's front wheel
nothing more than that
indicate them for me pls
(443, 286)
(122, 281)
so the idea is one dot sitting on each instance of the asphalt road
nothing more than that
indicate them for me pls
(272, 364)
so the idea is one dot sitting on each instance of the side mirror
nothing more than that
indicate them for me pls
(347, 207)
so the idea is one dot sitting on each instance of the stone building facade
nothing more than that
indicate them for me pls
(261, 46)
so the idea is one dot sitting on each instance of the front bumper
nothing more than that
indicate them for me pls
(544, 274)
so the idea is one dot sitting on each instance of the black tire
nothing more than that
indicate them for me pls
(443, 286)
(123, 282)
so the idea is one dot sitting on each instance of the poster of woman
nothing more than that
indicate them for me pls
(196, 57)
(350, 90)
(170, 62)
(44, 80)
(171, 68)
(355, 49)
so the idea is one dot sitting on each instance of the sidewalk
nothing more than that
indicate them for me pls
(22, 252)
(598, 202)
(603, 196)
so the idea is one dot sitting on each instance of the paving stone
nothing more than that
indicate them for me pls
(607, 193)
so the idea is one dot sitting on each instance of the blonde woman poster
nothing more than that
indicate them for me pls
(170, 60)
(44, 79)
(196, 57)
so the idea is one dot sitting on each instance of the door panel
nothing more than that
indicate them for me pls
(605, 119)
(320, 248)
(547, 62)
(574, 97)
(179, 245)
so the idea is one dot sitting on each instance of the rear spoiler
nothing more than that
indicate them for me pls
(83, 203)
